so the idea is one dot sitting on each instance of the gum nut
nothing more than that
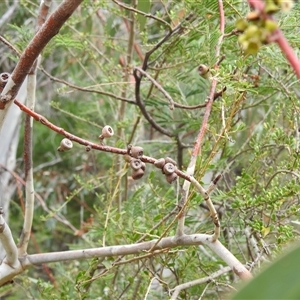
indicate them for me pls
(65, 145)
(169, 168)
(160, 163)
(107, 132)
(137, 152)
(137, 174)
(171, 177)
(135, 164)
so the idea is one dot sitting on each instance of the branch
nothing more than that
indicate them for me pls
(32, 51)
(142, 107)
(88, 144)
(168, 242)
(200, 137)
(28, 133)
(213, 212)
(8, 243)
(175, 30)
(190, 284)
(29, 188)
(165, 93)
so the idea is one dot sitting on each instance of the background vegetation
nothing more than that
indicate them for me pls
(252, 138)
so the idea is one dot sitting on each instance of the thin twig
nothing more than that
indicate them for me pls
(10, 45)
(165, 93)
(199, 140)
(142, 107)
(175, 30)
(190, 284)
(130, 8)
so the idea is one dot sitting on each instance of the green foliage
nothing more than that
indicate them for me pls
(252, 138)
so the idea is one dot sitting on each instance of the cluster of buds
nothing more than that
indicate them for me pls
(67, 144)
(257, 29)
(138, 168)
(168, 167)
(107, 132)
(134, 155)
(255, 32)
(273, 6)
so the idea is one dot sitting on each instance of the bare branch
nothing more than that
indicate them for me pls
(168, 242)
(8, 243)
(165, 93)
(142, 107)
(190, 284)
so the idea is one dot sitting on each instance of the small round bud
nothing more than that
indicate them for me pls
(137, 174)
(203, 71)
(169, 168)
(160, 163)
(136, 152)
(171, 177)
(65, 145)
(271, 7)
(107, 132)
(135, 163)
(88, 148)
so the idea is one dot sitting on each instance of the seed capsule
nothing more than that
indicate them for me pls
(65, 145)
(169, 168)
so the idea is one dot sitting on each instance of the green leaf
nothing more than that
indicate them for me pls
(279, 281)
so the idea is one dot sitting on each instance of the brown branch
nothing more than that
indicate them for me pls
(142, 107)
(174, 31)
(34, 48)
(158, 86)
(90, 145)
